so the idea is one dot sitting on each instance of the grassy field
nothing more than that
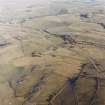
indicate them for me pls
(48, 46)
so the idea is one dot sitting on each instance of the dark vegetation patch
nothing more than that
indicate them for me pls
(84, 15)
(102, 24)
(67, 38)
(36, 79)
(4, 42)
(35, 88)
(2, 45)
(83, 89)
(35, 54)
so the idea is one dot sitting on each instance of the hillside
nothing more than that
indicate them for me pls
(52, 52)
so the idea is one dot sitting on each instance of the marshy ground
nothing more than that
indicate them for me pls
(52, 52)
